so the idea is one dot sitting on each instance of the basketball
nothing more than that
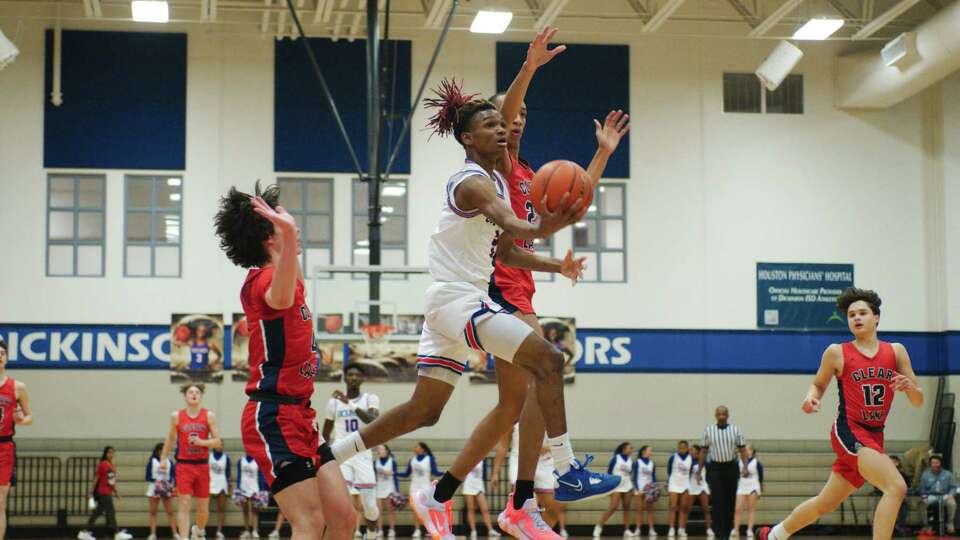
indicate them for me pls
(181, 334)
(557, 178)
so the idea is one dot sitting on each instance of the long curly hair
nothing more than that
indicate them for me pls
(242, 231)
(454, 109)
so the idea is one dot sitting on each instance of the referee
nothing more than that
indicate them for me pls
(721, 444)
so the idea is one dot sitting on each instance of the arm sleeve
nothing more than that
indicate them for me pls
(612, 464)
(760, 471)
(149, 476)
(670, 466)
(433, 467)
(404, 474)
(331, 410)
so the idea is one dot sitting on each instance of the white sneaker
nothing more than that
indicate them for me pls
(735, 534)
(152, 536)
(710, 533)
(245, 535)
(564, 533)
(356, 533)
(416, 533)
(195, 533)
(473, 534)
(176, 536)
(749, 533)
(671, 533)
(220, 535)
(85, 535)
(627, 533)
(122, 535)
(391, 533)
(255, 534)
(597, 531)
(682, 533)
(274, 535)
(651, 534)
(492, 533)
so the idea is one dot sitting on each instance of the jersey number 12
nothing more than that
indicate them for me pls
(873, 395)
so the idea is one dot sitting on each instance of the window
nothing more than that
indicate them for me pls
(152, 226)
(601, 235)
(543, 246)
(75, 225)
(310, 202)
(743, 93)
(393, 224)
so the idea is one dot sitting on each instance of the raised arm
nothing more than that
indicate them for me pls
(905, 380)
(538, 54)
(24, 416)
(478, 193)
(614, 127)
(168, 442)
(831, 363)
(283, 286)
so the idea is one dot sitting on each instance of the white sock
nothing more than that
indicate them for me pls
(347, 447)
(779, 532)
(562, 452)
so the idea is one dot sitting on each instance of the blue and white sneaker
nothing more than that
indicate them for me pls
(579, 484)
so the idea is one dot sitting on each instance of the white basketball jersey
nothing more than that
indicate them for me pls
(345, 419)
(249, 476)
(463, 245)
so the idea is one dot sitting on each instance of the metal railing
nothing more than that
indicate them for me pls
(50, 486)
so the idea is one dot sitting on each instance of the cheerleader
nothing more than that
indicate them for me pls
(160, 489)
(251, 494)
(699, 492)
(748, 492)
(646, 492)
(220, 484)
(474, 487)
(678, 483)
(420, 470)
(621, 464)
(385, 467)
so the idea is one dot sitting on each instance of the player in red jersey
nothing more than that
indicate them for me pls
(278, 425)
(195, 431)
(14, 409)
(868, 372)
(511, 287)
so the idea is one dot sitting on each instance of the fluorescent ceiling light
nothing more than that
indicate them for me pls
(491, 22)
(818, 29)
(393, 191)
(150, 11)
(174, 196)
(173, 181)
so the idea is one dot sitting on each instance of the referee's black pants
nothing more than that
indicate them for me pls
(723, 479)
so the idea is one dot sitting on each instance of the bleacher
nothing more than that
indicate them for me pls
(794, 471)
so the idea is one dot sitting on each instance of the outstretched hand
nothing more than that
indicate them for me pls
(616, 125)
(552, 221)
(571, 268)
(279, 217)
(537, 53)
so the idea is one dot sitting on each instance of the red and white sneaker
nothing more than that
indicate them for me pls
(435, 516)
(763, 533)
(525, 523)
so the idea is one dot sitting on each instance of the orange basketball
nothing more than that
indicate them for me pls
(557, 178)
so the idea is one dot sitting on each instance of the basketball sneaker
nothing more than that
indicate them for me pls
(122, 534)
(152, 537)
(763, 533)
(672, 533)
(597, 531)
(525, 523)
(85, 535)
(710, 533)
(492, 533)
(255, 534)
(274, 535)
(579, 484)
(435, 516)
(564, 533)
(749, 533)
(220, 536)
(245, 535)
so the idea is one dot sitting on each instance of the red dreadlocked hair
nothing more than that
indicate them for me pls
(454, 109)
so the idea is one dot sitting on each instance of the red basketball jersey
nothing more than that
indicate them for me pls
(866, 385)
(282, 354)
(192, 428)
(8, 405)
(519, 184)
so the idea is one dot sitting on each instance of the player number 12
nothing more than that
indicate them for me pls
(873, 395)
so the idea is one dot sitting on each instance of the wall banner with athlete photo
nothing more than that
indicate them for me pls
(560, 331)
(196, 348)
(387, 352)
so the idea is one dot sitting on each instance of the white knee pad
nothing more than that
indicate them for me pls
(369, 499)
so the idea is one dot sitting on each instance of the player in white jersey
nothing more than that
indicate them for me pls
(476, 225)
(474, 489)
(385, 466)
(678, 483)
(220, 484)
(346, 414)
(699, 492)
(621, 464)
(645, 489)
(749, 490)
(160, 488)
(250, 483)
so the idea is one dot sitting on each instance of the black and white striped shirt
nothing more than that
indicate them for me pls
(724, 443)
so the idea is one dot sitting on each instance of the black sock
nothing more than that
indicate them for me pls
(522, 493)
(446, 487)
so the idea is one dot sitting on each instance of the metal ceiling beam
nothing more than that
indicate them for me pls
(842, 9)
(638, 7)
(97, 8)
(355, 23)
(265, 17)
(550, 14)
(87, 9)
(661, 16)
(318, 12)
(884, 19)
(435, 15)
(774, 18)
(747, 15)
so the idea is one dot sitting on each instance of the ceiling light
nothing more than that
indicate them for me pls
(173, 181)
(174, 196)
(394, 191)
(150, 11)
(818, 29)
(491, 22)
